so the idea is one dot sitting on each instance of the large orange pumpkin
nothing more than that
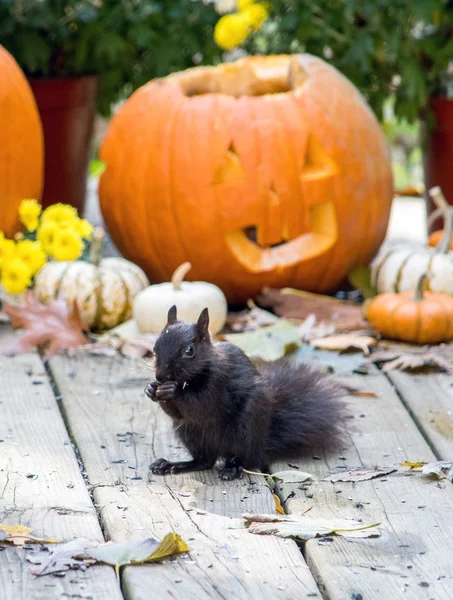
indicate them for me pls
(267, 171)
(21, 143)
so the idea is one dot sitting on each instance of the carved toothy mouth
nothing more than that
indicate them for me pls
(285, 253)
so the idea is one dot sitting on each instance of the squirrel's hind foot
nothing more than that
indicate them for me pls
(230, 472)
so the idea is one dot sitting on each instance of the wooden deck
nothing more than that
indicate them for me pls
(68, 426)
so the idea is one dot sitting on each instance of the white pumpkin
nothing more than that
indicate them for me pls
(104, 289)
(151, 305)
(399, 266)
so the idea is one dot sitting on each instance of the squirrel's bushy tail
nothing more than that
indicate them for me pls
(308, 413)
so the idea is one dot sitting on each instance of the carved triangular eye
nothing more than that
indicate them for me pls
(317, 164)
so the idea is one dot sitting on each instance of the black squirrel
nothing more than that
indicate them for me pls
(224, 406)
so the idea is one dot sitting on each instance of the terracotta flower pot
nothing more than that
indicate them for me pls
(67, 109)
(438, 156)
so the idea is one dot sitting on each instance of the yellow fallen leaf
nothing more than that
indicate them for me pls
(412, 465)
(15, 529)
(345, 342)
(19, 535)
(171, 544)
(278, 504)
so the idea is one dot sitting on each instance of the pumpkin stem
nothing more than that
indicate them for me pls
(179, 275)
(420, 288)
(97, 242)
(446, 210)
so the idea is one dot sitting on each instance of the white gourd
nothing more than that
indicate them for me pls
(190, 297)
(399, 267)
(104, 289)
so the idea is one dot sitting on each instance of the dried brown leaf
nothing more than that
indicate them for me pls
(346, 341)
(295, 304)
(441, 469)
(61, 558)
(359, 475)
(53, 324)
(251, 319)
(305, 528)
(360, 393)
(428, 357)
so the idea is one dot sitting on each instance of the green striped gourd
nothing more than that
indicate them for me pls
(104, 289)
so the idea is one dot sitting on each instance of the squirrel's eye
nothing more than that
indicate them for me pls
(189, 351)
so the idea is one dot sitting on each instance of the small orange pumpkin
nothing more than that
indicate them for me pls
(21, 143)
(269, 171)
(420, 318)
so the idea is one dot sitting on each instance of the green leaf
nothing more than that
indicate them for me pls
(269, 343)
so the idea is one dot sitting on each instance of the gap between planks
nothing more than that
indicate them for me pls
(55, 503)
(111, 419)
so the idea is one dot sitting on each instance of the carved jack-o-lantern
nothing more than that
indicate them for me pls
(266, 171)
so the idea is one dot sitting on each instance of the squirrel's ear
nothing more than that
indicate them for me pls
(203, 325)
(172, 315)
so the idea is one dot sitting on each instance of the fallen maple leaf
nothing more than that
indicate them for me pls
(428, 357)
(359, 475)
(53, 324)
(305, 528)
(295, 304)
(345, 342)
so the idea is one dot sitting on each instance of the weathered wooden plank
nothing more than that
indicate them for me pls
(112, 420)
(429, 397)
(410, 559)
(53, 500)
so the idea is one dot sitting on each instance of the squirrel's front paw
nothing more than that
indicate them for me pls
(161, 466)
(167, 391)
(150, 390)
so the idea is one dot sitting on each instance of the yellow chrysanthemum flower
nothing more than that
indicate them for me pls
(32, 254)
(231, 31)
(62, 214)
(84, 227)
(7, 249)
(256, 14)
(16, 276)
(29, 211)
(243, 4)
(46, 235)
(67, 245)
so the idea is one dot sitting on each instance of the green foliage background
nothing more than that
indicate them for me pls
(398, 48)
(126, 42)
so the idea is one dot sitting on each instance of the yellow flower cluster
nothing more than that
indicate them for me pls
(232, 30)
(56, 233)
